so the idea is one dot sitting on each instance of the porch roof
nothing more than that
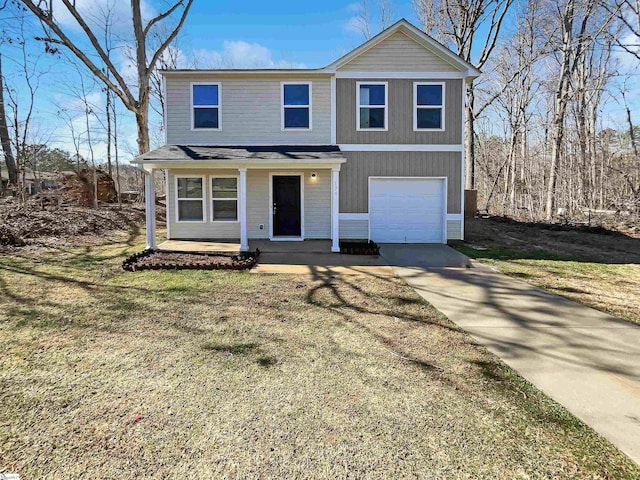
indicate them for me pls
(199, 156)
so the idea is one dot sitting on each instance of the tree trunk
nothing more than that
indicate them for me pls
(108, 111)
(142, 121)
(5, 141)
(469, 141)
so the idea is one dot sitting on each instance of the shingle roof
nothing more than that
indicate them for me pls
(243, 153)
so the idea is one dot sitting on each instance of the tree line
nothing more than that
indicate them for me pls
(540, 138)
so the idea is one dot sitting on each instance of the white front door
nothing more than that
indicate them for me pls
(407, 210)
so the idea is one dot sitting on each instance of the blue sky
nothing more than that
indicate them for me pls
(222, 33)
(322, 29)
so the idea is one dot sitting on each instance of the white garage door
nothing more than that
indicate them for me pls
(407, 210)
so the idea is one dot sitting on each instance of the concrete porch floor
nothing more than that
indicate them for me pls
(265, 246)
(199, 246)
(309, 257)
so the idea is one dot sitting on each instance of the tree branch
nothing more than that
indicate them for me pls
(160, 17)
(170, 38)
(124, 94)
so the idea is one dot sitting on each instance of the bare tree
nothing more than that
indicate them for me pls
(5, 139)
(138, 104)
(627, 13)
(370, 23)
(577, 31)
(460, 24)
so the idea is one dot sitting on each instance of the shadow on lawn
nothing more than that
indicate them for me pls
(350, 312)
(242, 349)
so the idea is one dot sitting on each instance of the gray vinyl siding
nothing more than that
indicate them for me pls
(454, 230)
(400, 105)
(250, 112)
(317, 203)
(359, 229)
(398, 53)
(206, 229)
(354, 229)
(354, 174)
(317, 206)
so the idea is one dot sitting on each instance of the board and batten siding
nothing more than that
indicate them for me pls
(317, 206)
(250, 112)
(400, 105)
(355, 173)
(398, 53)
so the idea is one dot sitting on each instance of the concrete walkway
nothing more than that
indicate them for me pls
(585, 359)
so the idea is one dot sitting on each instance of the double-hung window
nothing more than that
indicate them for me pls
(190, 199)
(372, 111)
(296, 106)
(224, 199)
(205, 106)
(428, 106)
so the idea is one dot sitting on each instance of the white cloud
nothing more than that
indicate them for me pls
(355, 23)
(240, 54)
(94, 13)
(628, 60)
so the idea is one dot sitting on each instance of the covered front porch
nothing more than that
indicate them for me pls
(265, 246)
(233, 198)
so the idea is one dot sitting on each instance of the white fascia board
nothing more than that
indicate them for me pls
(147, 165)
(274, 72)
(404, 75)
(379, 147)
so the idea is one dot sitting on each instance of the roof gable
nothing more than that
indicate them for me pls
(403, 47)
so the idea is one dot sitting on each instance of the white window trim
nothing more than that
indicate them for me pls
(203, 199)
(427, 107)
(385, 106)
(309, 106)
(237, 198)
(219, 107)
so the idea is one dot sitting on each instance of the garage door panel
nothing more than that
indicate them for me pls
(407, 210)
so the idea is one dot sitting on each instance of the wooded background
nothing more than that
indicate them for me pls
(541, 141)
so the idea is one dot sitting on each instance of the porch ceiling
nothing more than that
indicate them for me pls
(197, 156)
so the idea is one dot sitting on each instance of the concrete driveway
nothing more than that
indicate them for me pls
(424, 255)
(584, 359)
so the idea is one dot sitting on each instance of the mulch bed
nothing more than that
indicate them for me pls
(169, 260)
(359, 247)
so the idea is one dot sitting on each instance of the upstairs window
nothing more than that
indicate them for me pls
(296, 106)
(372, 105)
(205, 106)
(428, 111)
(190, 199)
(224, 199)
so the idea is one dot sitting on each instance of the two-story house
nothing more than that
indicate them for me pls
(368, 147)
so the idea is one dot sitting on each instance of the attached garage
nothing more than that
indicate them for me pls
(408, 209)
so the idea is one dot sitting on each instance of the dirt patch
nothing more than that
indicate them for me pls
(595, 244)
(34, 223)
(157, 260)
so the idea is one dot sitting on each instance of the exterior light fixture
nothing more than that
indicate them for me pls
(314, 176)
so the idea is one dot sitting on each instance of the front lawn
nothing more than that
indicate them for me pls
(204, 374)
(611, 287)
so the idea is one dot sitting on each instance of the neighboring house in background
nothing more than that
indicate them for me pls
(369, 147)
(34, 182)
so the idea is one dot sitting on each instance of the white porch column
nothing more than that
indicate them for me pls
(244, 242)
(335, 208)
(150, 208)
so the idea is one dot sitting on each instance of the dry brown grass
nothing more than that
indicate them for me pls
(108, 374)
(612, 288)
